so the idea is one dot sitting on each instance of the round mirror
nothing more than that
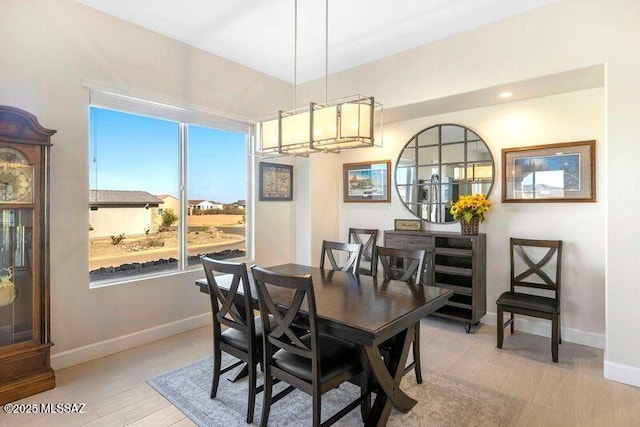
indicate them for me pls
(439, 164)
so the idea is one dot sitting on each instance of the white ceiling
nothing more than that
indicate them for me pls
(259, 33)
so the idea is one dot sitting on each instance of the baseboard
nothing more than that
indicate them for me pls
(622, 373)
(543, 328)
(125, 342)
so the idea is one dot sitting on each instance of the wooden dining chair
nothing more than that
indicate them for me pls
(405, 265)
(368, 238)
(242, 338)
(535, 264)
(334, 250)
(313, 363)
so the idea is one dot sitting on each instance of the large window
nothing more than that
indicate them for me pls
(163, 193)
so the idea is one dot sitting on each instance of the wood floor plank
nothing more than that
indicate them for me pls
(166, 417)
(186, 422)
(132, 413)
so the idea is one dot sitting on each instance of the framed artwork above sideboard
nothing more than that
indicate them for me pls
(564, 172)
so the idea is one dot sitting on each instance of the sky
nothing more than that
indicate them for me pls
(132, 152)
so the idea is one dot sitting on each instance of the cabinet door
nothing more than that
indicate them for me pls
(19, 293)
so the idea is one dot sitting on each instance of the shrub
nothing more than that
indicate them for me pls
(115, 240)
(168, 218)
(155, 242)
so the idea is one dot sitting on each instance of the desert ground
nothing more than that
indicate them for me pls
(205, 230)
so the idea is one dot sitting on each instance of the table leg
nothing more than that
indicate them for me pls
(388, 376)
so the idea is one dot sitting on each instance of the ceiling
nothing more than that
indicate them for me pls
(260, 33)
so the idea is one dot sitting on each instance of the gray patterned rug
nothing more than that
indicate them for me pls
(442, 401)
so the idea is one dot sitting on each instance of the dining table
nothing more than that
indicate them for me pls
(366, 311)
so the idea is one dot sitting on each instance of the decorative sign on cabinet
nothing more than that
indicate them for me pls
(454, 261)
(25, 367)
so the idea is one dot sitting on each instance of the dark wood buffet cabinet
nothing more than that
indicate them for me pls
(25, 367)
(454, 261)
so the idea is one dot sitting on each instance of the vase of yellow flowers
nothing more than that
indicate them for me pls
(470, 210)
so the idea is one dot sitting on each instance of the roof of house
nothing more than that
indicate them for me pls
(164, 196)
(197, 202)
(122, 197)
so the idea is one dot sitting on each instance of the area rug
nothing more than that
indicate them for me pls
(442, 401)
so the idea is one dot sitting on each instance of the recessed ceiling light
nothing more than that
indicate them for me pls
(506, 94)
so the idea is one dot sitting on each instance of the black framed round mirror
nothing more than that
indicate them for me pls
(439, 164)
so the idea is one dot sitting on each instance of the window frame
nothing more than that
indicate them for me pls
(185, 116)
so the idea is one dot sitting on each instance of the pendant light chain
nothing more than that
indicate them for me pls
(326, 48)
(295, 50)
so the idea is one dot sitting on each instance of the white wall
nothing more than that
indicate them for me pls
(573, 116)
(48, 49)
(116, 220)
(567, 35)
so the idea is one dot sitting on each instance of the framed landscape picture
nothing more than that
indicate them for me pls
(275, 182)
(367, 181)
(562, 172)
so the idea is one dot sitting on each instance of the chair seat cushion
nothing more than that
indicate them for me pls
(238, 339)
(336, 357)
(529, 302)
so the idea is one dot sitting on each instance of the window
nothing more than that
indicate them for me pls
(148, 176)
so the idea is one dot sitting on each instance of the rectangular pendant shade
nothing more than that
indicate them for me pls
(338, 125)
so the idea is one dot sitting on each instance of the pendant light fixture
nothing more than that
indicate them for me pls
(330, 126)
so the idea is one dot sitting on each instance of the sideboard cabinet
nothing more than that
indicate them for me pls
(454, 261)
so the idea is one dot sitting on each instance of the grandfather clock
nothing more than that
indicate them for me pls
(25, 367)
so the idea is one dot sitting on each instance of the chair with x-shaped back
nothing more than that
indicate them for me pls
(314, 363)
(406, 265)
(334, 250)
(527, 274)
(368, 238)
(243, 335)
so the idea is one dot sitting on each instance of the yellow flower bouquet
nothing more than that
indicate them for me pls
(470, 206)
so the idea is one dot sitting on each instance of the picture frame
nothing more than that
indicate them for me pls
(366, 182)
(563, 172)
(275, 182)
(407, 225)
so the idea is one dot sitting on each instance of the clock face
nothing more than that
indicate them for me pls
(16, 177)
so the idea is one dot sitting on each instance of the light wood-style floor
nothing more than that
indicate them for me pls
(570, 393)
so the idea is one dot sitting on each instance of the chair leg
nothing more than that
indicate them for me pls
(365, 392)
(416, 353)
(317, 396)
(512, 322)
(500, 326)
(217, 360)
(559, 331)
(554, 338)
(251, 403)
(266, 396)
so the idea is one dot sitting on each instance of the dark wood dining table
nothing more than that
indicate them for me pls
(367, 311)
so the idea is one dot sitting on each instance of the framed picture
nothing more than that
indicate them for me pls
(366, 181)
(275, 182)
(564, 172)
(407, 225)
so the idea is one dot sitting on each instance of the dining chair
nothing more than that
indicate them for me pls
(334, 250)
(535, 287)
(313, 363)
(368, 238)
(407, 266)
(243, 335)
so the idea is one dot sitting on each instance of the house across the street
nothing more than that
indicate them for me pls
(115, 212)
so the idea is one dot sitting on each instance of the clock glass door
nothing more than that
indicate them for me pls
(16, 276)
